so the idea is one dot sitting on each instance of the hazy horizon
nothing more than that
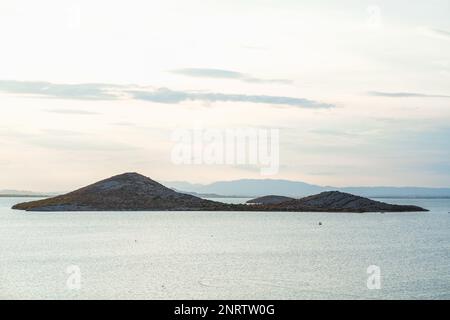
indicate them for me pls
(173, 183)
(359, 90)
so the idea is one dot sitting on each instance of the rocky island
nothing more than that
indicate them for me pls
(271, 199)
(135, 192)
(336, 201)
(124, 192)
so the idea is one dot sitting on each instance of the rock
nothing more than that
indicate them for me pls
(335, 201)
(128, 191)
(269, 200)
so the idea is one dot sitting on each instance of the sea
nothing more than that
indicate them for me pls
(225, 255)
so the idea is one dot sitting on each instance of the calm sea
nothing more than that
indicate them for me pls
(224, 255)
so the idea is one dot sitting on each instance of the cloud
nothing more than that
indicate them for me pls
(209, 73)
(332, 132)
(72, 111)
(406, 95)
(66, 140)
(89, 91)
(60, 133)
(159, 95)
(436, 33)
(124, 124)
(164, 95)
(226, 74)
(80, 144)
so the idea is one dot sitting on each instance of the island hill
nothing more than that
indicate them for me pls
(135, 192)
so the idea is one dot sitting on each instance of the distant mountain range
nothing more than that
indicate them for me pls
(260, 187)
(22, 193)
(251, 188)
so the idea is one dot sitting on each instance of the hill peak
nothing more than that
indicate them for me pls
(129, 175)
(126, 191)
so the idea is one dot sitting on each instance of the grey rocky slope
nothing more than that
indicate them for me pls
(271, 199)
(128, 191)
(336, 201)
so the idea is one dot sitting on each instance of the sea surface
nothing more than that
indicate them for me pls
(225, 255)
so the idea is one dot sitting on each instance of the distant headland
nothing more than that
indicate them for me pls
(135, 192)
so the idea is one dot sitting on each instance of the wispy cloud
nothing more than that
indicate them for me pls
(406, 95)
(164, 95)
(72, 111)
(435, 33)
(226, 74)
(85, 91)
(159, 95)
(124, 124)
(66, 140)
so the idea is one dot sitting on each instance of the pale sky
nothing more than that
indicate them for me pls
(360, 90)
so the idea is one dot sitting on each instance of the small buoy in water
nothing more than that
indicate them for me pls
(320, 223)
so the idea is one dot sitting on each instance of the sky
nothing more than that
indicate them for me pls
(359, 90)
